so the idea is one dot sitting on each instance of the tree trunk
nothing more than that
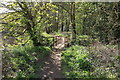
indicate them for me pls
(73, 22)
(32, 35)
(67, 23)
(35, 42)
(62, 25)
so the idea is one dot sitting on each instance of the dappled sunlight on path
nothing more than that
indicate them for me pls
(52, 63)
(60, 44)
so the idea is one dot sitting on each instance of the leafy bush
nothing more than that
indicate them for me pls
(76, 62)
(25, 60)
(64, 34)
(79, 62)
(84, 40)
(47, 39)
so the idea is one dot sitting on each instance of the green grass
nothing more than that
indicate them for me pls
(75, 62)
(27, 60)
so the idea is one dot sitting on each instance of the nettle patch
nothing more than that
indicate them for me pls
(76, 62)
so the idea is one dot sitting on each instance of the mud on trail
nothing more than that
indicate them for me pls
(52, 63)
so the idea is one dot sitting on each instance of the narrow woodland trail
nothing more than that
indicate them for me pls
(52, 64)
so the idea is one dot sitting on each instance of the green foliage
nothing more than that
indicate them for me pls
(79, 62)
(62, 34)
(47, 39)
(59, 34)
(26, 60)
(29, 22)
(84, 40)
(46, 35)
(76, 62)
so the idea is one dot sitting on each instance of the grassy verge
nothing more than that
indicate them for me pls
(76, 62)
(24, 61)
(80, 62)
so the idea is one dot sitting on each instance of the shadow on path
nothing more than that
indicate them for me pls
(52, 63)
